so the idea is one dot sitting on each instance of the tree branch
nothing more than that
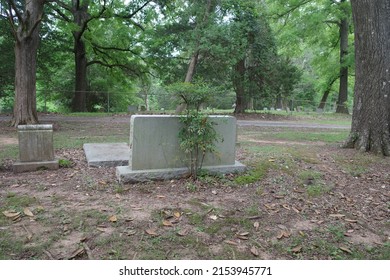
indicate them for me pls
(60, 13)
(293, 8)
(13, 7)
(113, 65)
(135, 12)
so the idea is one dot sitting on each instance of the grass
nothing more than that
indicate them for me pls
(256, 174)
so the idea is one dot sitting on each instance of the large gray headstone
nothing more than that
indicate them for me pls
(156, 153)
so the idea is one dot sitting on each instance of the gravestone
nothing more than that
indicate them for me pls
(35, 148)
(132, 108)
(156, 155)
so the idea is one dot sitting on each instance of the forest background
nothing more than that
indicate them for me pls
(249, 54)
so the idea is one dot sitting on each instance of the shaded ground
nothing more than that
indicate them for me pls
(303, 198)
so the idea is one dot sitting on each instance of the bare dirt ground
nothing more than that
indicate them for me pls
(300, 200)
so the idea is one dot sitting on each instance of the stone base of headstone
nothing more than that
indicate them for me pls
(19, 166)
(126, 175)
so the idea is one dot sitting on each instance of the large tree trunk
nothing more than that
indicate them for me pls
(342, 107)
(79, 102)
(371, 112)
(80, 18)
(239, 87)
(26, 46)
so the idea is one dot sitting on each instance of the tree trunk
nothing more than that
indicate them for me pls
(342, 107)
(326, 94)
(26, 47)
(195, 56)
(80, 18)
(190, 74)
(239, 87)
(79, 102)
(371, 112)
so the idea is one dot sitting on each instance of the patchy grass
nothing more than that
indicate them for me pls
(256, 174)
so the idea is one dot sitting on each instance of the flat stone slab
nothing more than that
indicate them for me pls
(126, 175)
(107, 154)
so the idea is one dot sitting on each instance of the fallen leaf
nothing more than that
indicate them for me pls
(345, 250)
(177, 215)
(113, 219)
(118, 196)
(182, 232)
(337, 215)
(245, 233)
(167, 223)
(101, 229)
(11, 214)
(254, 251)
(131, 232)
(295, 209)
(28, 212)
(213, 217)
(230, 242)
(286, 206)
(296, 249)
(76, 253)
(242, 237)
(151, 232)
(283, 234)
(351, 221)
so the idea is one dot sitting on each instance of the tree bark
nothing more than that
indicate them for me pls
(371, 112)
(26, 47)
(80, 17)
(342, 107)
(326, 93)
(195, 56)
(239, 87)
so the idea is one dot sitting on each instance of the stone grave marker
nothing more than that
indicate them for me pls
(155, 152)
(35, 148)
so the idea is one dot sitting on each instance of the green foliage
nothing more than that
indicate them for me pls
(65, 163)
(197, 135)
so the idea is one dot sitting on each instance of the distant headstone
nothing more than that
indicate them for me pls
(132, 108)
(35, 148)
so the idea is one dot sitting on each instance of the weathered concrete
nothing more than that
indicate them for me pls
(107, 154)
(35, 148)
(155, 144)
(19, 166)
(156, 154)
(126, 175)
